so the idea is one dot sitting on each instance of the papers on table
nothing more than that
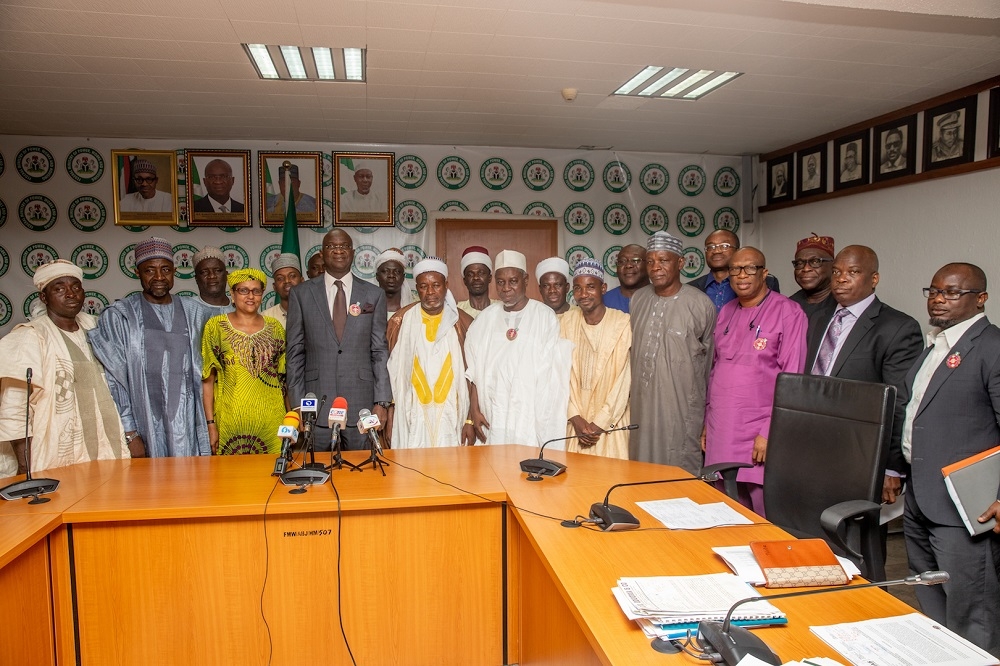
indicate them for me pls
(901, 641)
(667, 606)
(685, 514)
(743, 563)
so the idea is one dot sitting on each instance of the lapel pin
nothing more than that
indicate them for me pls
(954, 360)
(760, 344)
(355, 309)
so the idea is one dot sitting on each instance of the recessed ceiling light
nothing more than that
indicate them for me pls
(293, 62)
(262, 60)
(324, 62)
(354, 64)
(647, 83)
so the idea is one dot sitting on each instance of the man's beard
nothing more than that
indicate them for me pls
(942, 323)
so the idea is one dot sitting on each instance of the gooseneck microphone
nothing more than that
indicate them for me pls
(310, 411)
(611, 518)
(733, 643)
(29, 487)
(539, 467)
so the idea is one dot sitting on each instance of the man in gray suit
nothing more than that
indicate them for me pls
(336, 341)
(951, 414)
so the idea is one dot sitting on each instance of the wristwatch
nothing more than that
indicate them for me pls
(129, 438)
(384, 405)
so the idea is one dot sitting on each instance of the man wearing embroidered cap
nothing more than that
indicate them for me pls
(672, 347)
(150, 345)
(477, 273)
(285, 270)
(518, 365)
(144, 197)
(949, 142)
(427, 364)
(390, 273)
(813, 265)
(601, 374)
(72, 417)
(553, 283)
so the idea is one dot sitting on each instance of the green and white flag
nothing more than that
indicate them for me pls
(197, 189)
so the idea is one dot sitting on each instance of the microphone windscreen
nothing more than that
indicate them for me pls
(340, 403)
(291, 419)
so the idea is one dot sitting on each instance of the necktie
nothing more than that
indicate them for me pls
(222, 209)
(824, 359)
(339, 310)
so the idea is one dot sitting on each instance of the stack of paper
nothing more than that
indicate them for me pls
(667, 606)
(684, 513)
(741, 560)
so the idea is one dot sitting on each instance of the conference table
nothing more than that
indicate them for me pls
(452, 557)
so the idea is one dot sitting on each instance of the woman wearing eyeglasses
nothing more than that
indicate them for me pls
(243, 380)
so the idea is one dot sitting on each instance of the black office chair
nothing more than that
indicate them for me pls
(826, 456)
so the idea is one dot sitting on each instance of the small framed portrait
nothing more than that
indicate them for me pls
(812, 171)
(895, 153)
(145, 187)
(363, 189)
(950, 133)
(218, 183)
(851, 157)
(299, 173)
(993, 133)
(780, 172)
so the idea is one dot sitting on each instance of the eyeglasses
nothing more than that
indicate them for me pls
(246, 291)
(814, 262)
(949, 294)
(712, 247)
(218, 177)
(143, 181)
(337, 247)
(635, 261)
(749, 270)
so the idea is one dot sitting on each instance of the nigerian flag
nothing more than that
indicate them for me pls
(196, 189)
(290, 233)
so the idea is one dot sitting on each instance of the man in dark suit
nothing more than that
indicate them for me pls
(719, 247)
(866, 340)
(952, 413)
(219, 183)
(336, 341)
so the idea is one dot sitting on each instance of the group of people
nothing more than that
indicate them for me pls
(693, 365)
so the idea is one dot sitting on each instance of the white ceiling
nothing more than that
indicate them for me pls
(484, 72)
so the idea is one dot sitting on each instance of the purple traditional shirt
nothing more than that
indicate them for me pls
(752, 345)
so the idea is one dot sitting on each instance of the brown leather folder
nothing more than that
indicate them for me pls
(798, 563)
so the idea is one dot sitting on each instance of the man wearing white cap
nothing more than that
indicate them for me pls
(72, 417)
(601, 374)
(210, 274)
(553, 283)
(390, 273)
(427, 364)
(285, 270)
(363, 199)
(145, 198)
(518, 365)
(477, 273)
(672, 347)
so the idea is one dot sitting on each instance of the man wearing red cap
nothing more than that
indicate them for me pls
(813, 266)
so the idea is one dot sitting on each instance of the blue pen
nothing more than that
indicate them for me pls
(758, 331)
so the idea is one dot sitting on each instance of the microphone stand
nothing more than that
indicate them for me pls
(29, 487)
(310, 439)
(375, 457)
(733, 643)
(539, 467)
(336, 456)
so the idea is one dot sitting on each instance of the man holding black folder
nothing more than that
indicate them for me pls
(951, 414)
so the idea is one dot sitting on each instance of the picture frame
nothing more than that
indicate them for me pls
(147, 195)
(363, 189)
(950, 133)
(306, 173)
(852, 160)
(218, 187)
(895, 149)
(812, 175)
(780, 178)
(993, 131)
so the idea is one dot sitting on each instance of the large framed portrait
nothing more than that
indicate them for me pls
(363, 189)
(895, 149)
(145, 187)
(993, 132)
(780, 172)
(851, 157)
(218, 187)
(812, 171)
(298, 172)
(950, 133)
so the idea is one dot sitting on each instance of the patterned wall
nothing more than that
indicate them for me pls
(56, 201)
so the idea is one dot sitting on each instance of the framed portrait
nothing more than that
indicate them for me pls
(363, 189)
(145, 187)
(993, 132)
(895, 149)
(812, 172)
(950, 133)
(780, 177)
(218, 187)
(302, 173)
(851, 157)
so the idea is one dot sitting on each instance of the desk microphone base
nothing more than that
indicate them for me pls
(734, 644)
(611, 518)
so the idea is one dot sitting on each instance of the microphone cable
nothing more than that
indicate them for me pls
(340, 608)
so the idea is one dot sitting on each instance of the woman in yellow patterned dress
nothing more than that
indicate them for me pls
(243, 377)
